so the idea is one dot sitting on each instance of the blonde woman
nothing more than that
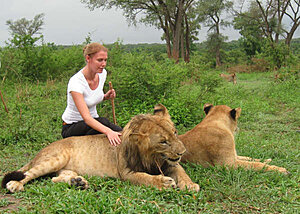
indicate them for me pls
(85, 91)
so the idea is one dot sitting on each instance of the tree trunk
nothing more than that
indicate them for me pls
(168, 40)
(177, 31)
(291, 34)
(218, 55)
(182, 55)
(187, 40)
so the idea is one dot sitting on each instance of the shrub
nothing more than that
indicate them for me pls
(23, 60)
(276, 55)
(142, 82)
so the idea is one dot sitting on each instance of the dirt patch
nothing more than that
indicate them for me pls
(9, 203)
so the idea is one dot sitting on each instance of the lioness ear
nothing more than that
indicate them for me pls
(161, 110)
(235, 113)
(207, 107)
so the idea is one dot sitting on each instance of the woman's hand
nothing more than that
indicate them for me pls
(113, 137)
(111, 94)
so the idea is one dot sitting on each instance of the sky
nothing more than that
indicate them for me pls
(68, 22)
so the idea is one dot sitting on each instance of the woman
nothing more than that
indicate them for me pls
(85, 91)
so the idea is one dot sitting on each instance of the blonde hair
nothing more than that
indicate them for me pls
(93, 48)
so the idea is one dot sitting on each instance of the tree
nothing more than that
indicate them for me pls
(250, 30)
(211, 12)
(290, 10)
(269, 16)
(25, 27)
(34, 62)
(171, 16)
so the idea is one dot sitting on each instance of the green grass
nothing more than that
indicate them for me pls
(269, 128)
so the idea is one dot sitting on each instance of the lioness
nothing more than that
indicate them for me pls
(149, 154)
(229, 77)
(211, 142)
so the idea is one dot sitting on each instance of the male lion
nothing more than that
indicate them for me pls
(229, 77)
(211, 142)
(148, 155)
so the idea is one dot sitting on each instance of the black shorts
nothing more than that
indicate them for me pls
(81, 128)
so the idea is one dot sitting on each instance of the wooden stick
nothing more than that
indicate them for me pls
(112, 104)
(161, 172)
(3, 102)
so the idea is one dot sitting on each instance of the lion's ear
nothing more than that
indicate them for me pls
(161, 110)
(235, 113)
(207, 107)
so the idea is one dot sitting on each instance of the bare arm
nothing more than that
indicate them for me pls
(113, 136)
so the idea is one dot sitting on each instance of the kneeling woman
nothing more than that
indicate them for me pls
(85, 91)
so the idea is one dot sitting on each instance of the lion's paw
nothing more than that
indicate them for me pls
(79, 182)
(284, 171)
(193, 187)
(167, 182)
(279, 169)
(267, 161)
(190, 186)
(14, 186)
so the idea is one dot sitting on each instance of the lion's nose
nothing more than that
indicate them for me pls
(180, 149)
(180, 154)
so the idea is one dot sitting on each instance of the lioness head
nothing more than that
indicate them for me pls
(151, 140)
(223, 112)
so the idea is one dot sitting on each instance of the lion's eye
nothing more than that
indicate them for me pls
(164, 142)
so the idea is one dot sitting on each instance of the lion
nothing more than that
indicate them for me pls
(229, 77)
(211, 142)
(149, 155)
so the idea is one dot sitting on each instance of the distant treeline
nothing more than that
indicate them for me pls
(161, 47)
(231, 45)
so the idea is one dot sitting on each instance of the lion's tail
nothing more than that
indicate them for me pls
(12, 176)
(15, 175)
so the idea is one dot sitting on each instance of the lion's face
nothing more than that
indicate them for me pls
(163, 143)
(151, 140)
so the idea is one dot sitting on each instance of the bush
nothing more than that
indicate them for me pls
(23, 60)
(288, 73)
(142, 82)
(276, 55)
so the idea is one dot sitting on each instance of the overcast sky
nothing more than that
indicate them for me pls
(68, 22)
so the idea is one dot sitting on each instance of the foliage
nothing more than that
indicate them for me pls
(142, 81)
(177, 19)
(23, 60)
(287, 74)
(32, 63)
(250, 31)
(295, 46)
(24, 27)
(211, 13)
(235, 56)
(276, 54)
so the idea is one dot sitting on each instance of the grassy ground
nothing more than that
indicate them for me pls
(269, 128)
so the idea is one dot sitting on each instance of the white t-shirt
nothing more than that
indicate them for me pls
(79, 84)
